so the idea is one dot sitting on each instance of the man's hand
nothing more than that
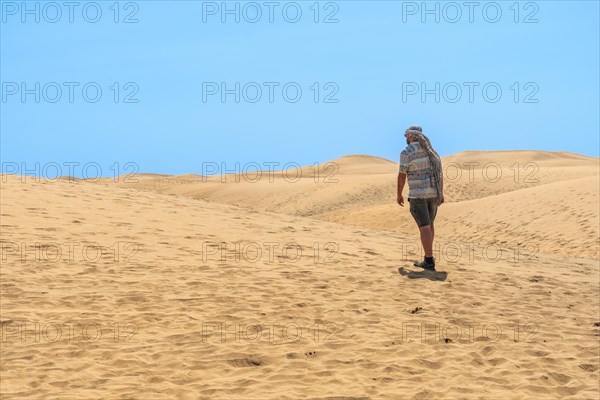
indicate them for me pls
(400, 200)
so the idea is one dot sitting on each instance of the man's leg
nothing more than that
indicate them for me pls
(427, 239)
(432, 208)
(420, 210)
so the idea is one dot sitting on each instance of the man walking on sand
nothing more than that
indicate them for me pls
(423, 167)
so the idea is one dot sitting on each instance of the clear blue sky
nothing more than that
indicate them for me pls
(371, 57)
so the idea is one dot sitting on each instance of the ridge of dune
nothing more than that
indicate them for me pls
(362, 159)
(367, 164)
(355, 161)
(68, 178)
(361, 190)
(359, 306)
(350, 164)
(557, 217)
(474, 155)
(531, 155)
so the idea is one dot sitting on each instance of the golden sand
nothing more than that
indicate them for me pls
(173, 287)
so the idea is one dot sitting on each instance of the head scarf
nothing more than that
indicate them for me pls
(434, 159)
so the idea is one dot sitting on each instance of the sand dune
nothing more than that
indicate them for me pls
(546, 199)
(559, 218)
(172, 299)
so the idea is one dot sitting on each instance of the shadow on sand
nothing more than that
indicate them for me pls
(425, 274)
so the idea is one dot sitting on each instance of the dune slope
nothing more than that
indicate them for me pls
(171, 299)
(547, 199)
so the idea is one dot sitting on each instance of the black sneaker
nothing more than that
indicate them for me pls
(425, 265)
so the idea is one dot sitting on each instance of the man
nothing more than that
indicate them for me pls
(423, 167)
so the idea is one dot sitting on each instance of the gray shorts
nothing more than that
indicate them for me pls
(423, 210)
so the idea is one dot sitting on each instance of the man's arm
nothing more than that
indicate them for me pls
(442, 188)
(442, 185)
(401, 182)
(404, 167)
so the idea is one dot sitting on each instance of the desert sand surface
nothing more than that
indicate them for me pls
(547, 201)
(173, 287)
